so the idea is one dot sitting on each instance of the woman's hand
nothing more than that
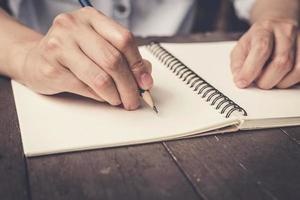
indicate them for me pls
(86, 53)
(268, 55)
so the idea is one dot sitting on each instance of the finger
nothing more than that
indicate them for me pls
(113, 63)
(91, 74)
(260, 51)
(238, 55)
(56, 78)
(293, 77)
(148, 66)
(122, 40)
(142, 72)
(85, 91)
(281, 64)
(73, 85)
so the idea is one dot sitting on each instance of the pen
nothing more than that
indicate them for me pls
(84, 3)
(145, 94)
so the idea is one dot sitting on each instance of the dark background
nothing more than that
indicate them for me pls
(217, 15)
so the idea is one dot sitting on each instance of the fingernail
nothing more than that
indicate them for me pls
(241, 83)
(147, 81)
(132, 106)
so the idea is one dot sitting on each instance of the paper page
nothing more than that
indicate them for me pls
(61, 124)
(212, 62)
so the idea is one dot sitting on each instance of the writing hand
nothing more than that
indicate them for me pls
(87, 53)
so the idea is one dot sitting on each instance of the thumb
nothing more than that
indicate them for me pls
(142, 73)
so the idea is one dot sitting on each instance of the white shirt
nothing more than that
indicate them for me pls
(142, 17)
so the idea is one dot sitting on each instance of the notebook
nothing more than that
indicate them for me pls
(194, 93)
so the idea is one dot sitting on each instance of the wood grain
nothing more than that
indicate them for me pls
(13, 182)
(246, 165)
(139, 172)
(293, 133)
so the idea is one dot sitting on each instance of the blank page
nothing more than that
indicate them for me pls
(53, 124)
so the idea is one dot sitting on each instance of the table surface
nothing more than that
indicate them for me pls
(261, 164)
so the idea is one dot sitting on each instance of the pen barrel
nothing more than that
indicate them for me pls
(85, 3)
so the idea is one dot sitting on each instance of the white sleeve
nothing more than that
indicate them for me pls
(14, 6)
(243, 8)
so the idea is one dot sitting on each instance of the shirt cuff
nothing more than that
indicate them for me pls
(14, 6)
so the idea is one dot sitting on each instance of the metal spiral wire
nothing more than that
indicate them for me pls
(221, 102)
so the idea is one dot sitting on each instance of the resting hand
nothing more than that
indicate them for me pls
(267, 55)
(87, 53)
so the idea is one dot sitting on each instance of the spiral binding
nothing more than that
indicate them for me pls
(199, 85)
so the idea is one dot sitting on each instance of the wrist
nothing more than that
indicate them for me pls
(273, 18)
(263, 10)
(17, 57)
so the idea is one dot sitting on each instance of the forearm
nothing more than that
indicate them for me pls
(275, 9)
(15, 40)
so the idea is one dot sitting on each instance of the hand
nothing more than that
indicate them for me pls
(267, 55)
(87, 53)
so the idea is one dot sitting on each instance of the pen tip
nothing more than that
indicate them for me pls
(155, 109)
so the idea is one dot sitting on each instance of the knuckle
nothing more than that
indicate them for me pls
(126, 39)
(283, 63)
(50, 72)
(64, 20)
(263, 45)
(62, 57)
(52, 43)
(138, 66)
(102, 81)
(114, 62)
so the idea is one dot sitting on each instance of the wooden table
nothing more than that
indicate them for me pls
(262, 164)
